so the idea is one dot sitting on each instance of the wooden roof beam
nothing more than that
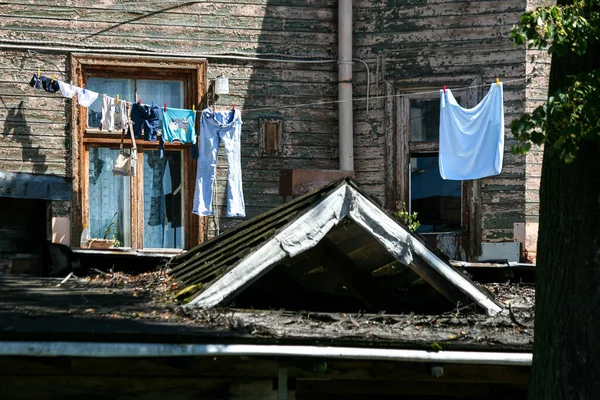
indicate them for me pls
(359, 282)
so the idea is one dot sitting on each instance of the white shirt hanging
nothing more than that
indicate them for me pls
(471, 140)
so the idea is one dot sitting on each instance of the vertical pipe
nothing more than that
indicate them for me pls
(345, 85)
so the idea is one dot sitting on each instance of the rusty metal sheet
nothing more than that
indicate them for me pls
(296, 182)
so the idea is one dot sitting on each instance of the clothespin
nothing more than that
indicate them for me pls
(444, 88)
(152, 105)
(193, 108)
(165, 106)
(117, 99)
(53, 78)
(497, 81)
(233, 106)
(38, 73)
(140, 102)
(84, 88)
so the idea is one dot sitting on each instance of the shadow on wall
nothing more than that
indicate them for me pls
(17, 128)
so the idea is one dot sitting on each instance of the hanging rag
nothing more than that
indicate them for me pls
(66, 89)
(120, 116)
(108, 114)
(85, 97)
(471, 140)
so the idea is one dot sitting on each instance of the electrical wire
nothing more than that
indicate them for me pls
(146, 52)
(319, 103)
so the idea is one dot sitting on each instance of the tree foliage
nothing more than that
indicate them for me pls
(572, 114)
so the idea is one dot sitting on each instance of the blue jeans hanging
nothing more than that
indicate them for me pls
(217, 127)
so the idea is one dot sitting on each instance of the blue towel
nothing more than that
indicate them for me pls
(471, 140)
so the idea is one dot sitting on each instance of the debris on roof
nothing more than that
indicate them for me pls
(121, 307)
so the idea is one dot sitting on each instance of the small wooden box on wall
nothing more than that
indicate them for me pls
(296, 182)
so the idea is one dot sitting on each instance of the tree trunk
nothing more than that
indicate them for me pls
(566, 356)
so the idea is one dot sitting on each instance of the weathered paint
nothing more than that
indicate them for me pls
(421, 46)
(409, 45)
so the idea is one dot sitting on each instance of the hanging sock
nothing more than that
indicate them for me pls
(43, 82)
(471, 140)
(35, 82)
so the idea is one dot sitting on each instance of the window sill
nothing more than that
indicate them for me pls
(98, 137)
(127, 252)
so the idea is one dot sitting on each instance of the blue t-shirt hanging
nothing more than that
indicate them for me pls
(179, 125)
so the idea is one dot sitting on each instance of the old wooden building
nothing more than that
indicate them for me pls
(322, 85)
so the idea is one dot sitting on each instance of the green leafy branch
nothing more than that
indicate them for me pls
(566, 119)
(572, 114)
(408, 219)
(562, 28)
(112, 229)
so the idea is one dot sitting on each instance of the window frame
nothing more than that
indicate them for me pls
(470, 190)
(193, 75)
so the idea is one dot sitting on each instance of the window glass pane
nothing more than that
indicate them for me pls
(160, 92)
(109, 195)
(163, 200)
(125, 88)
(437, 201)
(424, 120)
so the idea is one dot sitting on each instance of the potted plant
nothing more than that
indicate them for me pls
(106, 242)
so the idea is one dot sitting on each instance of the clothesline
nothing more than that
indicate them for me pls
(305, 105)
(373, 97)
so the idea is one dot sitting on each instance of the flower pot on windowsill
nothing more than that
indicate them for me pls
(100, 243)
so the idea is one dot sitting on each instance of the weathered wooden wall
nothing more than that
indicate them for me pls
(538, 69)
(422, 45)
(35, 124)
(408, 44)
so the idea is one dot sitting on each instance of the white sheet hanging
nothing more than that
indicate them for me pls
(471, 140)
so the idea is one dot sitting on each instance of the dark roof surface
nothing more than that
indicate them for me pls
(118, 307)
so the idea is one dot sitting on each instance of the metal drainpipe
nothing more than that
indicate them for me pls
(346, 129)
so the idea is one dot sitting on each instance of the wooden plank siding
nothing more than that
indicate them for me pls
(422, 45)
(538, 68)
(412, 45)
(40, 141)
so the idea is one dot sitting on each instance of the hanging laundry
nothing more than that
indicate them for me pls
(138, 117)
(107, 123)
(121, 117)
(49, 85)
(179, 125)
(66, 89)
(471, 140)
(217, 126)
(151, 123)
(85, 97)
